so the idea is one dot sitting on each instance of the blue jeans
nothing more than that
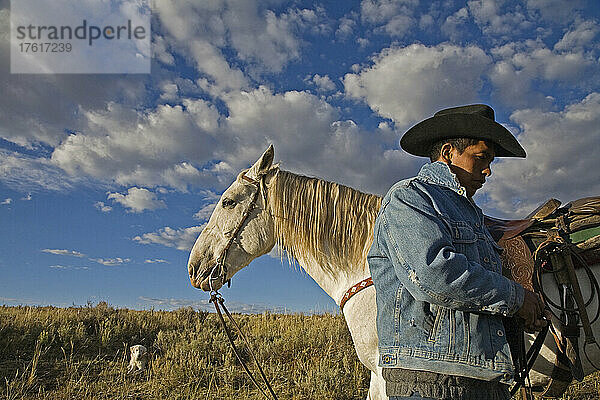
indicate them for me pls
(415, 396)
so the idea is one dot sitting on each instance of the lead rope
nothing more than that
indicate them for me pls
(218, 300)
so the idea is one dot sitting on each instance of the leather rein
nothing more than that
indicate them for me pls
(219, 272)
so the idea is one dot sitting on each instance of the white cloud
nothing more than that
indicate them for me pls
(137, 200)
(579, 36)
(399, 25)
(362, 42)
(407, 84)
(143, 148)
(560, 159)
(323, 83)
(557, 11)
(270, 38)
(110, 262)
(169, 91)
(6, 201)
(156, 261)
(393, 17)
(41, 108)
(25, 173)
(181, 239)
(189, 143)
(376, 11)
(426, 21)
(205, 212)
(64, 267)
(64, 252)
(310, 138)
(520, 65)
(455, 24)
(160, 50)
(346, 26)
(259, 37)
(492, 18)
(102, 207)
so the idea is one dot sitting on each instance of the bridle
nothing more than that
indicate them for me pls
(219, 271)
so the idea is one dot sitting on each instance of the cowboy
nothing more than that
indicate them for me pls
(441, 296)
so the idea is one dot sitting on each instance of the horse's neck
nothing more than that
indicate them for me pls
(336, 283)
(335, 279)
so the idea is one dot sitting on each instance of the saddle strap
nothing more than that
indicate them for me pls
(561, 376)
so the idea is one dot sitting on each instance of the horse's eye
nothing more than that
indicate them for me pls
(228, 203)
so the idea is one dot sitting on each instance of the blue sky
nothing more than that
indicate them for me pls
(106, 180)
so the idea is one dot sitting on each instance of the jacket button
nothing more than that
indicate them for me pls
(486, 259)
(507, 375)
(461, 191)
(500, 333)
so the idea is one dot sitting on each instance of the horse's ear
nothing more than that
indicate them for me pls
(263, 164)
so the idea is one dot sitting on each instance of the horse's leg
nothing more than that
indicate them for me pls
(361, 313)
(377, 386)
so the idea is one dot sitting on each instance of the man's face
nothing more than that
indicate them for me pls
(472, 166)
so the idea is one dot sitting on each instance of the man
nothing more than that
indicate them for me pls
(440, 292)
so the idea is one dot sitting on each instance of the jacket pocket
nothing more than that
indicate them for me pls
(462, 232)
(464, 240)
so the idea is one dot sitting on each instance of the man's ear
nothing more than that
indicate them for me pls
(446, 153)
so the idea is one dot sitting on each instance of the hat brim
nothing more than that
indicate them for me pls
(419, 139)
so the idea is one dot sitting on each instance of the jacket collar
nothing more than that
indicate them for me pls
(439, 173)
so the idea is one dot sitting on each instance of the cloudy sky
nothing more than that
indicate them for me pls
(106, 180)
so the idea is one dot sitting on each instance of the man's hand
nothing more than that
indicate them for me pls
(533, 312)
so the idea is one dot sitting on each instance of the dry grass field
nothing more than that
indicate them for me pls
(82, 353)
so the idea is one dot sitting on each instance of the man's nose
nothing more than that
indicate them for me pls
(488, 171)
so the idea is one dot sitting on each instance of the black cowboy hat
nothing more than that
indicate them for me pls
(472, 121)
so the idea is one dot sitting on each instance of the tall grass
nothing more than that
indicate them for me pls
(83, 352)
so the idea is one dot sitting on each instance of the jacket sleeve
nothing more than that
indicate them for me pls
(419, 245)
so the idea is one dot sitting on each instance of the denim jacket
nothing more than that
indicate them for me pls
(439, 288)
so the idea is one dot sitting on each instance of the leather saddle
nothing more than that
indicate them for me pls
(579, 219)
(574, 226)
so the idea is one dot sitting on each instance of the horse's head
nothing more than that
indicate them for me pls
(239, 230)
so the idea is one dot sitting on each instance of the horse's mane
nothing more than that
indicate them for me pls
(326, 221)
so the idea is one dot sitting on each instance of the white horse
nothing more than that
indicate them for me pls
(328, 229)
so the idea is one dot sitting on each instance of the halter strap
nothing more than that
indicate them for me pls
(219, 271)
(252, 181)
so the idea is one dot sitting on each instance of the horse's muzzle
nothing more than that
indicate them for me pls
(210, 279)
(197, 279)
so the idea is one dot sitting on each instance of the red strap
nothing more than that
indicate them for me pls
(365, 283)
